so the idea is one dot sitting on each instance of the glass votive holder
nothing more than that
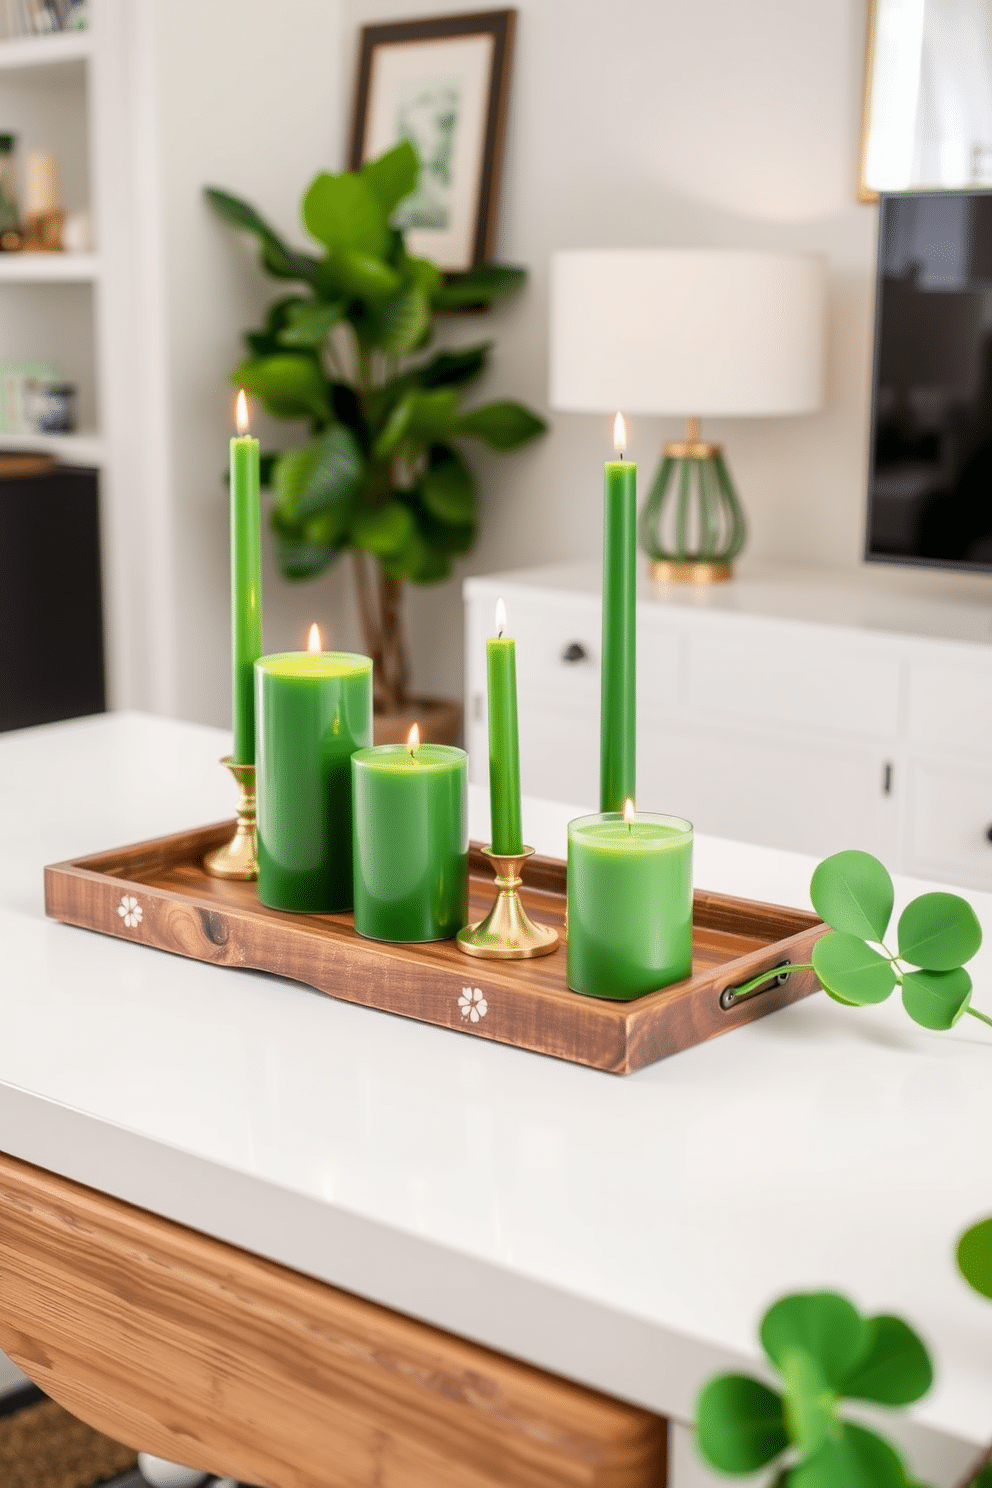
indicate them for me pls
(410, 841)
(629, 890)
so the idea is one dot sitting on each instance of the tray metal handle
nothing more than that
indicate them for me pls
(777, 976)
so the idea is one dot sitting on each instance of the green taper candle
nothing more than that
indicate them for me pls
(314, 709)
(618, 708)
(410, 809)
(629, 890)
(504, 742)
(246, 585)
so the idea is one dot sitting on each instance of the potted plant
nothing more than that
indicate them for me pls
(381, 474)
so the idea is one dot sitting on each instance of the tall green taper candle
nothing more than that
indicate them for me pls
(246, 585)
(618, 711)
(504, 744)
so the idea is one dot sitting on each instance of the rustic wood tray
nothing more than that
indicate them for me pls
(158, 893)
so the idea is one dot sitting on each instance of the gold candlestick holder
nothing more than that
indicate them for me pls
(508, 933)
(239, 857)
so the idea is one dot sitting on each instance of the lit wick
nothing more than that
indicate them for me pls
(629, 815)
(620, 434)
(500, 617)
(413, 739)
(241, 413)
(314, 643)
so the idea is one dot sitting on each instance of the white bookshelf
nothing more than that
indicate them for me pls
(60, 49)
(71, 449)
(48, 268)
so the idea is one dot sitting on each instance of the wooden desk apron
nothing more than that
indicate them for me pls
(181, 1345)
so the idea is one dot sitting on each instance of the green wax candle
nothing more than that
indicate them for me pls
(314, 709)
(410, 807)
(246, 586)
(618, 712)
(629, 888)
(504, 743)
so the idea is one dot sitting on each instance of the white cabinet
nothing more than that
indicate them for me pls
(807, 712)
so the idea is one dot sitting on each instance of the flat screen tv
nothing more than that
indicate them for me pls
(930, 469)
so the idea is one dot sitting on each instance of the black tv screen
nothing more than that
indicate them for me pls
(930, 469)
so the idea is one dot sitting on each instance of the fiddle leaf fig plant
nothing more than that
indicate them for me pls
(381, 473)
(936, 935)
(824, 1352)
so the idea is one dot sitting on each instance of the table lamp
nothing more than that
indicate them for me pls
(687, 332)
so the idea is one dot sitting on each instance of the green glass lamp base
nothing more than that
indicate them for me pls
(692, 526)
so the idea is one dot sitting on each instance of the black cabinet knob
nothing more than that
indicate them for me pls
(577, 652)
(988, 834)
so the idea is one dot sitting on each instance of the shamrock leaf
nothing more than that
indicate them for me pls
(975, 1257)
(936, 999)
(853, 892)
(824, 1325)
(939, 932)
(856, 1458)
(740, 1425)
(851, 971)
(895, 1369)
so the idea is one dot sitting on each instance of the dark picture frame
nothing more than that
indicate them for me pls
(444, 83)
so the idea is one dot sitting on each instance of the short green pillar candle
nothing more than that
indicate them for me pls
(618, 707)
(313, 710)
(629, 888)
(410, 805)
(246, 585)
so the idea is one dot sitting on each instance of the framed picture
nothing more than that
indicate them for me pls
(442, 84)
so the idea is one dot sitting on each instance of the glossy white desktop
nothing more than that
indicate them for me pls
(625, 1232)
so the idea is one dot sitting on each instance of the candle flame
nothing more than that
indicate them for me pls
(500, 615)
(620, 433)
(241, 412)
(413, 738)
(629, 814)
(314, 641)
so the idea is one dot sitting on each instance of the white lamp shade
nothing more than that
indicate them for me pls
(700, 331)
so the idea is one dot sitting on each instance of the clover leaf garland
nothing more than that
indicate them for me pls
(936, 934)
(825, 1351)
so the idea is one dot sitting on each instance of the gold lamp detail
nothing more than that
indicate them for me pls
(688, 332)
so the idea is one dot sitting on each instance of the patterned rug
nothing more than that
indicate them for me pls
(43, 1446)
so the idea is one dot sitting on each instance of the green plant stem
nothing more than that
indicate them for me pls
(976, 1014)
(766, 976)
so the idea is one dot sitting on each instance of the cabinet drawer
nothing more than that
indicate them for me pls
(950, 707)
(950, 812)
(833, 688)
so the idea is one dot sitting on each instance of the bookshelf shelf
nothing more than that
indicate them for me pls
(48, 268)
(57, 49)
(72, 449)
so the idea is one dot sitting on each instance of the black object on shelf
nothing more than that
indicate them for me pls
(51, 609)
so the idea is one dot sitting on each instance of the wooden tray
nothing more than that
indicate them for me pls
(157, 893)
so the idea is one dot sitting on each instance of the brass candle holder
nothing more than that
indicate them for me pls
(508, 933)
(239, 857)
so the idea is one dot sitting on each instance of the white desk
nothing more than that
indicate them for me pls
(626, 1233)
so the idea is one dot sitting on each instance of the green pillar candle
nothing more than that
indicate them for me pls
(629, 889)
(618, 711)
(246, 586)
(504, 742)
(314, 709)
(410, 807)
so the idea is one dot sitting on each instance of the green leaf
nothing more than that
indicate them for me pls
(936, 999)
(309, 323)
(826, 1326)
(266, 342)
(896, 1370)
(851, 971)
(740, 1424)
(422, 416)
(419, 562)
(454, 368)
(343, 212)
(975, 1257)
(856, 1458)
(939, 932)
(392, 176)
(279, 259)
(326, 473)
(387, 532)
(853, 892)
(810, 1404)
(503, 426)
(398, 325)
(447, 487)
(290, 386)
(364, 275)
(426, 275)
(479, 286)
(297, 557)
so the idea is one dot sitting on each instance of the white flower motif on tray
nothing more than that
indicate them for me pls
(130, 911)
(472, 1003)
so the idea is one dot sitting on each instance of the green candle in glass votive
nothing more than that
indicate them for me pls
(629, 887)
(313, 710)
(618, 709)
(246, 584)
(410, 806)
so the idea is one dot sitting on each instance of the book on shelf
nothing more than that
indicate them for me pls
(41, 17)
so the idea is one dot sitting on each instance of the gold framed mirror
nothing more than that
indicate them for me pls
(927, 122)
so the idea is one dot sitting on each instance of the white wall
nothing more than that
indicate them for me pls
(640, 122)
